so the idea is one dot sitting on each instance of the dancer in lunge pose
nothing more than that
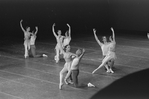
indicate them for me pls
(68, 60)
(58, 47)
(110, 55)
(27, 35)
(32, 45)
(74, 69)
(67, 37)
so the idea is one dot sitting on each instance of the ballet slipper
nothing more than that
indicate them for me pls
(44, 55)
(70, 82)
(111, 71)
(65, 81)
(90, 85)
(26, 56)
(108, 71)
(60, 86)
(94, 71)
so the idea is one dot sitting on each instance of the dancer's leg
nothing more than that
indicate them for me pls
(75, 74)
(26, 50)
(57, 55)
(33, 51)
(61, 74)
(111, 64)
(105, 60)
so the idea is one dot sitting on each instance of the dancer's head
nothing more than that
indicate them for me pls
(79, 52)
(67, 48)
(59, 32)
(27, 29)
(104, 39)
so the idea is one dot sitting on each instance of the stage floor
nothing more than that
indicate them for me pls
(38, 78)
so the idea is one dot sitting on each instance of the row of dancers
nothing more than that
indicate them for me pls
(72, 60)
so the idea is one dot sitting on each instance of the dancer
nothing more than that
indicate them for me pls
(27, 34)
(68, 60)
(32, 45)
(74, 69)
(110, 56)
(58, 47)
(67, 37)
(104, 47)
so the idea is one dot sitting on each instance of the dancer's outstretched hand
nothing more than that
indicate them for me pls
(94, 30)
(54, 24)
(112, 28)
(83, 50)
(94, 72)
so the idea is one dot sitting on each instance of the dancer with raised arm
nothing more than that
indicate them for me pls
(104, 47)
(32, 45)
(74, 69)
(68, 60)
(58, 47)
(67, 37)
(27, 35)
(110, 56)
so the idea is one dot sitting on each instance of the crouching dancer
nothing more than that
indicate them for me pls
(32, 45)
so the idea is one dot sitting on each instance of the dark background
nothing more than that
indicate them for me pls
(129, 17)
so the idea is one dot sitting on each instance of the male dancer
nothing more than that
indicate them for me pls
(32, 45)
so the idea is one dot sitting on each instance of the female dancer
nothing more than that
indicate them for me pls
(68, 60)
(67, 37)
(74, 69)
(27, 34)
(104, 46)
(32, 44)
(58, 46)
(110, 56)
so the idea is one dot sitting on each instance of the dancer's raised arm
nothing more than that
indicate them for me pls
(36, 30)
(83, 51)
(69, 31)
(54, 30)
(22, 26)
(113, 34)
(96, 37)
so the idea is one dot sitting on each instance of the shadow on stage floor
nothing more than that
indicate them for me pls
(133, 86)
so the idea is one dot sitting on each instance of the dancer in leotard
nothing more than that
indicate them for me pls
(74, 69)
(32, 44)
(27, 35)
(104, 47)
(58, 47)
(110, 56)
(68, 60)
(67, 37)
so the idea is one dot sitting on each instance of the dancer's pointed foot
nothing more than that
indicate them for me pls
(60, 86)
(44, 55)
(111, 71)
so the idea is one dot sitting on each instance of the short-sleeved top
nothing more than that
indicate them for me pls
(32, 40)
